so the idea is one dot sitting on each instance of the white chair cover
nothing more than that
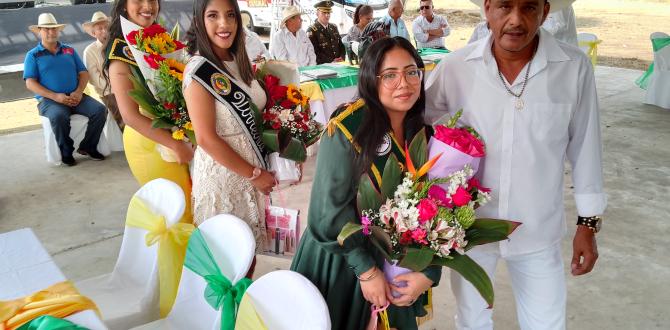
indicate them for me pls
(233, 247)
(113, 133)
(286, 300)
(77, 132)
(128, 296)
(658, 90)
(586, 37)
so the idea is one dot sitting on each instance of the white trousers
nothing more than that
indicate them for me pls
(538, 283)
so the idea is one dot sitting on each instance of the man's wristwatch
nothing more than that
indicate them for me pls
(594, 223)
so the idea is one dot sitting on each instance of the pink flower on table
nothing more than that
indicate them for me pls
(427, 210)
(440, 195)
(461, 197)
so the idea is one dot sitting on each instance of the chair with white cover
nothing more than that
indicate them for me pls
(78, 125)
(223, 244)
(588, 43)
(129, 295)
(283, 300)
(658, 88)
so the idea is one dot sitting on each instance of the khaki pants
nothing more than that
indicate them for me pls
(110, 103)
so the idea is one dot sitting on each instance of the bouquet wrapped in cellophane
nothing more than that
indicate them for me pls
(417, 221)
(157, 85)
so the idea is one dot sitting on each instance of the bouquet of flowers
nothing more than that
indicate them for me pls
(157, 87)
(460, 146)
(417, 221)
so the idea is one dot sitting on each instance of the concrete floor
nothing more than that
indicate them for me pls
(78, 213)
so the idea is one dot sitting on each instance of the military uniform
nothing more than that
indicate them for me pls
(326, 40)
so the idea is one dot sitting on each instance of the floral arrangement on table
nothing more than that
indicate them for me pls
(288, 124)
(426, 215)
(157, 85)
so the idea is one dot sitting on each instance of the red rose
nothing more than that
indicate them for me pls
(179, 44)
(132, 38)
(461, 139)
(154, 60)
(427, 210)
(153, 30)
(405, 238)
(170, 106)
(461, 197)
(271, 81)
(276, 125)
(474, 183)
(278, 93)
(287, 104)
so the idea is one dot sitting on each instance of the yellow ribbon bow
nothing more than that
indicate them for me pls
(59, 300)
(172, 244)
(247, 316)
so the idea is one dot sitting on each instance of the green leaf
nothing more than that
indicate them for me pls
(472, 272)
(392, 176)
(417, 259)
(368, 197)
(485, 231)
(418, 149)
(383, 239)
(293, 149)
(175, 32)
(271, 139)
(161, 123)
(191, 136)
(348, 230)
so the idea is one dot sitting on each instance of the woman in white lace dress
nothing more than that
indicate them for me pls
(228, 167)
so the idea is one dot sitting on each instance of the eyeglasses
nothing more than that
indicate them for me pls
(392, 79)
(424, 7)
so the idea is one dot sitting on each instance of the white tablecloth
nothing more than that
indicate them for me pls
(26, 267)
(332, 99)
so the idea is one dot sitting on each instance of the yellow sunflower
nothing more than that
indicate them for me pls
(178, 134)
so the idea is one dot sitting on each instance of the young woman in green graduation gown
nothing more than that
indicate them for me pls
(360, 137)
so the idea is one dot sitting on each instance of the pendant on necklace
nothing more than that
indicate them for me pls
(519, 104)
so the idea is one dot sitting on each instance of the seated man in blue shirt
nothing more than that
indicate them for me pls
(56, 74)
(394, 20)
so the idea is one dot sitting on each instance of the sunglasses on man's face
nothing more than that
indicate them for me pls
(424, 7)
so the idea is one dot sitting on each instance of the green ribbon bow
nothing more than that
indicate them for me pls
(220, 293)
(657, 44)
(47, 322)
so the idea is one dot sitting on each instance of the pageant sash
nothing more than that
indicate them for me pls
(48, 322)
(220, 293)
(224, 90)
(172, 243)
(247, 316)
(59, 300)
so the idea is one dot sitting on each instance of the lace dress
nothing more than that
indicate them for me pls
(216, 189)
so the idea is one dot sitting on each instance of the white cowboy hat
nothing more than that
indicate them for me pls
(46, 20)
(98, 17)
(289, 12)
(556, 5)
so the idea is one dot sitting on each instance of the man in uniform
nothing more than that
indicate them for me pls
(325, 37)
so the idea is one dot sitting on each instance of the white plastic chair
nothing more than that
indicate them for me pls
(658, 89)
(286, 300)
(128, 296)
(77, 131)
(588, 43)
(233, 247)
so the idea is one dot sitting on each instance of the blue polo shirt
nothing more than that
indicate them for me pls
(58, 72)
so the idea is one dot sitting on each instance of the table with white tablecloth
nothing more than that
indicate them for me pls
(26, 267)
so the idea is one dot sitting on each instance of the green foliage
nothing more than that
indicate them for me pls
(417, 259)
(368, 197)
(418, 149)
(392, 176)
(472, 272)
(485, 231)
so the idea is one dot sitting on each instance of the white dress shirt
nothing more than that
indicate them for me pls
(421, 24)
(481, 31)
(562, 25)
(293, 48)
(396, 29)
(255, 46)
(526, 149)
(94, 60)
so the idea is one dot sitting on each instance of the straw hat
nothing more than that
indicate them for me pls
(289, 12)
(46, 20)
(98, 17)
(556, 5)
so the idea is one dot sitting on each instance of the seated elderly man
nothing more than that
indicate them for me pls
(429, 29)
(291, 43)
(393, 20)
(55, 73)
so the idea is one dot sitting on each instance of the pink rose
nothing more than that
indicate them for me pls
(427, 210)
(440, 195)
(461, 139)
(461, 197)
(419, 236)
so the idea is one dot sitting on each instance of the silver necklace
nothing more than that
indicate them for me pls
(519, 101)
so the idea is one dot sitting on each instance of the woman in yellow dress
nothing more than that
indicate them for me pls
(140, 140)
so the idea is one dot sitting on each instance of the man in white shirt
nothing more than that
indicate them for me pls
(562, 25)
(534, 102)
(255, 48)
(429, 29)
(94, 60)
(394, 20)
(291, 43)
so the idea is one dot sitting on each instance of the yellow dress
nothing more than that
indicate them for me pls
(146, 164)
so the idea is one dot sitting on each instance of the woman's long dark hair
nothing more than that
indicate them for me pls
(198, 42)
(360, 11)
(376, 122)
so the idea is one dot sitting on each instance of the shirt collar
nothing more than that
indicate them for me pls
(41, 48)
